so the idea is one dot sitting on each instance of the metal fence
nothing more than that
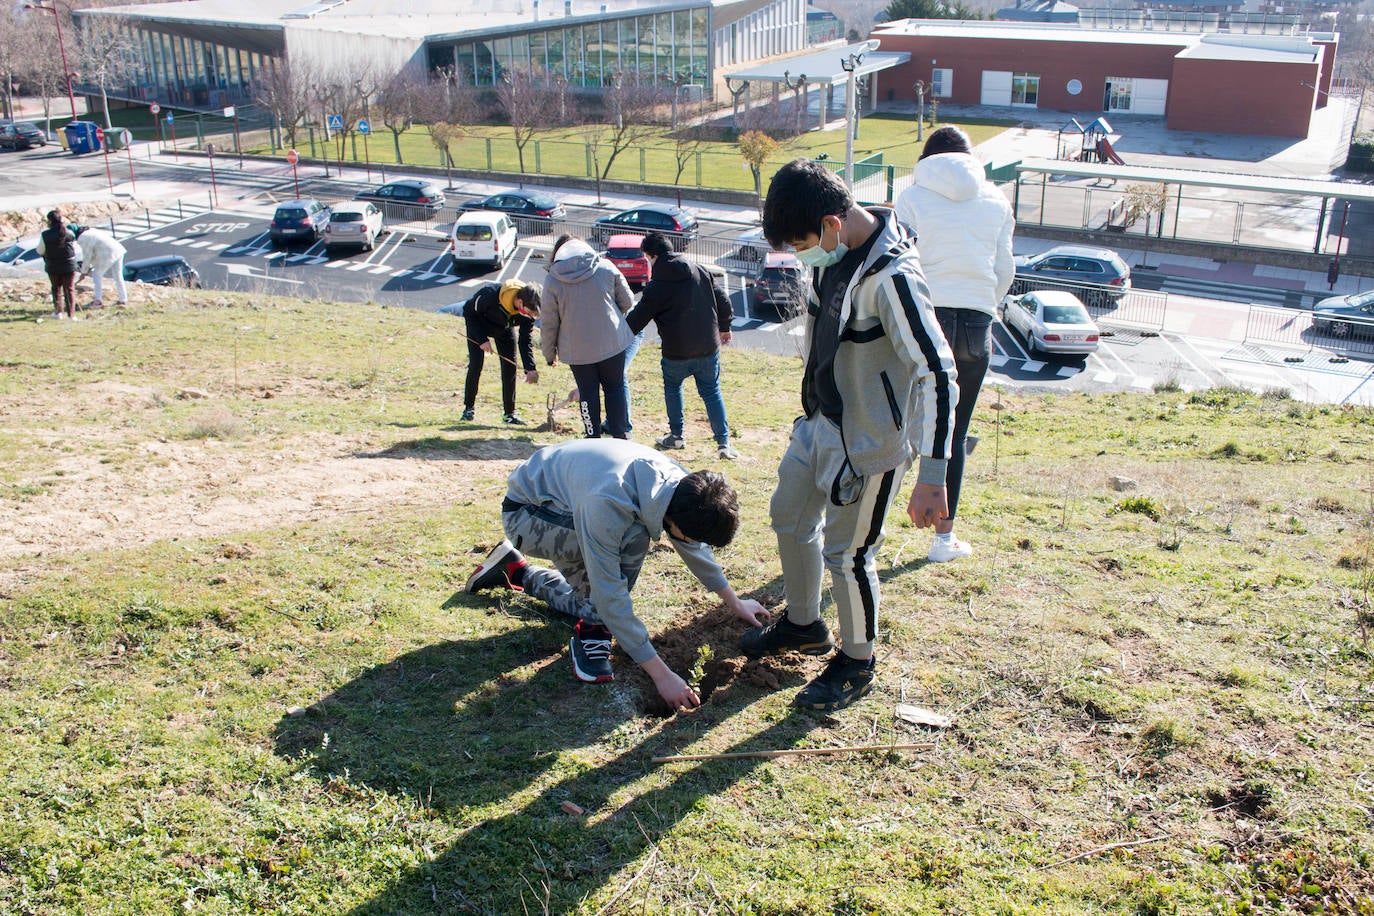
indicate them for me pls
(1216, 216)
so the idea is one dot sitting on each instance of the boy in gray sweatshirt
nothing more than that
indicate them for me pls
(594, 507)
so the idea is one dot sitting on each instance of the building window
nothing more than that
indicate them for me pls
(1025, 89)
(1117, 96)
(941, 83)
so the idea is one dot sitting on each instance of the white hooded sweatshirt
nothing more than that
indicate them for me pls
(963, 228)
(99, 251)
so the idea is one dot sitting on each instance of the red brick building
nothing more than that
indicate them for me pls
(1223, 83)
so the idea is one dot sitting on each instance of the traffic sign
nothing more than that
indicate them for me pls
(336, 122)
(100, 135)
(169, 117)
(155, 108)
(364, 127)
(292, 156)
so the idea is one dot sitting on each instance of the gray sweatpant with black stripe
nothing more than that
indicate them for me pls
(823, 513)
(543, 532)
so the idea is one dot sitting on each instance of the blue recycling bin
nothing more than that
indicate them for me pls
(81, 137)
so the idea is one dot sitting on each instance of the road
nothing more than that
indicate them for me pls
(229, 245)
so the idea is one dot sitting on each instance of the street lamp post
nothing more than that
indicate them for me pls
(848, 63)
(61, 46)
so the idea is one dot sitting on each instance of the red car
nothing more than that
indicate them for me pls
(623, 251)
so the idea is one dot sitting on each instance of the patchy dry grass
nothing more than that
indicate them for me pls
(240, 676)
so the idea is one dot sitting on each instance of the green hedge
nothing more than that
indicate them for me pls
(1361, 158)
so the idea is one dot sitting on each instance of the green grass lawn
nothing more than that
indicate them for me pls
(240, 675)
(564, 151)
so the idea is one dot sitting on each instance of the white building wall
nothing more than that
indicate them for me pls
(328, 50)
(779, 28)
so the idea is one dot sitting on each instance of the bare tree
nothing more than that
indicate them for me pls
(343, 89)
(444, 106)
(396, 104)
(630, 109)
(108, 55)
(687, 145)
(529, 106)
(13, 56)
(286, 90)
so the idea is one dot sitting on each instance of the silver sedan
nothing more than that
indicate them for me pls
(1051, 321)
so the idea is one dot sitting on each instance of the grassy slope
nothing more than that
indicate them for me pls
(1196, 683)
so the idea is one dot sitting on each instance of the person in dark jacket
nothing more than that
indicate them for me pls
(57, 245)
(693, 315)
(494, 313)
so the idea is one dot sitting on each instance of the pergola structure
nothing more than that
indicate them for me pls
(823, 70)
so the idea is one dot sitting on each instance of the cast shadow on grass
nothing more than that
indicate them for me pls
(468, 724)
(438, 448)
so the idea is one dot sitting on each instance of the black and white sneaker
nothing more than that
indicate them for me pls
(497, 569)
(591, 653)
(843, 681)
(467, 416)
(511, 419)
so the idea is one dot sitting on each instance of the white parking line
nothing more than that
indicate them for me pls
(378, 268)
(180, 242)
(358, 265)
(338, 264)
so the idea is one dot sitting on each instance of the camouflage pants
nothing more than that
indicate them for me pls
(544, 532)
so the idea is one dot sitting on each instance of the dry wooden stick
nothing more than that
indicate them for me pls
(1108, 848)
(795, 752)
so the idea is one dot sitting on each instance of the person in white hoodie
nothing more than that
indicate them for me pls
(101, 254)
(963, 226)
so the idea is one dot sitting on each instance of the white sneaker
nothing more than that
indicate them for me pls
(942, 551)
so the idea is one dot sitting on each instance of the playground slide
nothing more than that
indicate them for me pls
(1105, 153)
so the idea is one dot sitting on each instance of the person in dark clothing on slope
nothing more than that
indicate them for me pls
(693, 315)
(496, 313)
(61, 260)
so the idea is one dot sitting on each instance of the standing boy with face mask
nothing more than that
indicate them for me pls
(878, 391)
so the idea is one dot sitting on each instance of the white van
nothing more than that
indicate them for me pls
(485, 236)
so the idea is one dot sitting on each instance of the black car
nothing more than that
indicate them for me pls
(532, 211)
(21, 135)
(165, 270)
(303, 218)
(1097, 276)
(780, 285)
(409, 198)
(677, 224)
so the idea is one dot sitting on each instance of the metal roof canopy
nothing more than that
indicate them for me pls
(1309, 187)
(1305, 187)
(822, 66)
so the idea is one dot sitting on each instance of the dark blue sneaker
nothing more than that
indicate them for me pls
(843, 681)
(497, 570)
(591, 653)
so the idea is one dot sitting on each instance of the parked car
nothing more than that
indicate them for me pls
(164, 270)
(533, 212)
(408, 198)
(353, 224)
(623, 251)
(21, 135)
(780, 283)
(1343, 316)
(22, 254)
(1051, 321)
(1097, 276)
(303, 218)
(483, 236)
(674, 222)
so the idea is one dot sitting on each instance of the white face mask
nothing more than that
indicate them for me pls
(817, 256)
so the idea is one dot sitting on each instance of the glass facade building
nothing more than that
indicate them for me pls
(659, 47)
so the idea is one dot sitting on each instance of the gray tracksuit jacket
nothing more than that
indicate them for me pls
(893, 368)
(615, 491)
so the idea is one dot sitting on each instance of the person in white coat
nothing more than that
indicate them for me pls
(963, 226)
(101, 254)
